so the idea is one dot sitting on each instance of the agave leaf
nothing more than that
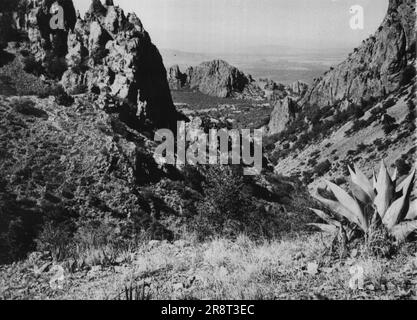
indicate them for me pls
(359, 194)
(403, 230)
(337, 208)
(326, 218)
(394, 212)
(399, 209)
(374, 179)
(412, 212)
(360, 179)
(349, 203)
(406, 182)
(385, 191)
(327, 228)
(394, 175)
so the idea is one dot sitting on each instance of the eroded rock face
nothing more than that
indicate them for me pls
(176, 79)
(111, 53)
(50, 45)
(284, 112)
(298, 88)
(376, 68)
(217, 78)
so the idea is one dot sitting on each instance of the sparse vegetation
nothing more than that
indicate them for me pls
(322, 168)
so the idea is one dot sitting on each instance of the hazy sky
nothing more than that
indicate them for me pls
(232, 25)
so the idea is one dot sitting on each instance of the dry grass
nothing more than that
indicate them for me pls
(241, 269)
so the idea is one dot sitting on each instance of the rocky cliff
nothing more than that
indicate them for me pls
(376, 68)
(107, 53)
(284, 112)
(382, 64)
(217, 78)
(176, 79)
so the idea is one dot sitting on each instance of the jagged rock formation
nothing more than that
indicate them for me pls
(49, 46)
(376, 68)
(215, 78)
(176, 79)
(284, 112)
(107, 53)
(298, 88)
(121, 61)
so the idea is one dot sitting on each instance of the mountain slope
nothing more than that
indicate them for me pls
(378, 67)
(361, 111)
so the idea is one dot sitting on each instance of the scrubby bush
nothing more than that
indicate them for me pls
(322, 168)
(55, 68)
(27, 107)
(403, 166)
(228, 207)
(62, 98)
(30, 65)
(389, 124)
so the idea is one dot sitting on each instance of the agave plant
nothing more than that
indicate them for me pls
(382, 202)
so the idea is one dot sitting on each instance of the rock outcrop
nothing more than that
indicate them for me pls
(376, 68)
(298, 88)
(108, 53)
(49, 46)
(284, 112)
(176, 79)
(215, 78)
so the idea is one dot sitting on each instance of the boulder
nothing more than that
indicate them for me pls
(284, 112)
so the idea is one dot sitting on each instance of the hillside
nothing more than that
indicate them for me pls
(360, 111)
(78, 176)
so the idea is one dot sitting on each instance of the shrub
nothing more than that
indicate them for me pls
(322, 168)
(357, 126)
(55, 67)
(389, 103)
(312, 162)
(228, 208)
(30, 65)
(27, 107)
(389, 124)
(62, 98)
(402, 166)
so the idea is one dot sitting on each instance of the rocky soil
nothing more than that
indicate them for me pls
(293, 268)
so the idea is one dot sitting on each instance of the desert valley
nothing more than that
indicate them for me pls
(87, 211)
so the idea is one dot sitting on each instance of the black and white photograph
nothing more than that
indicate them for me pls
(224, 151)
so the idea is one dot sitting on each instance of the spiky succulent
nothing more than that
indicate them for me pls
(382, 202)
